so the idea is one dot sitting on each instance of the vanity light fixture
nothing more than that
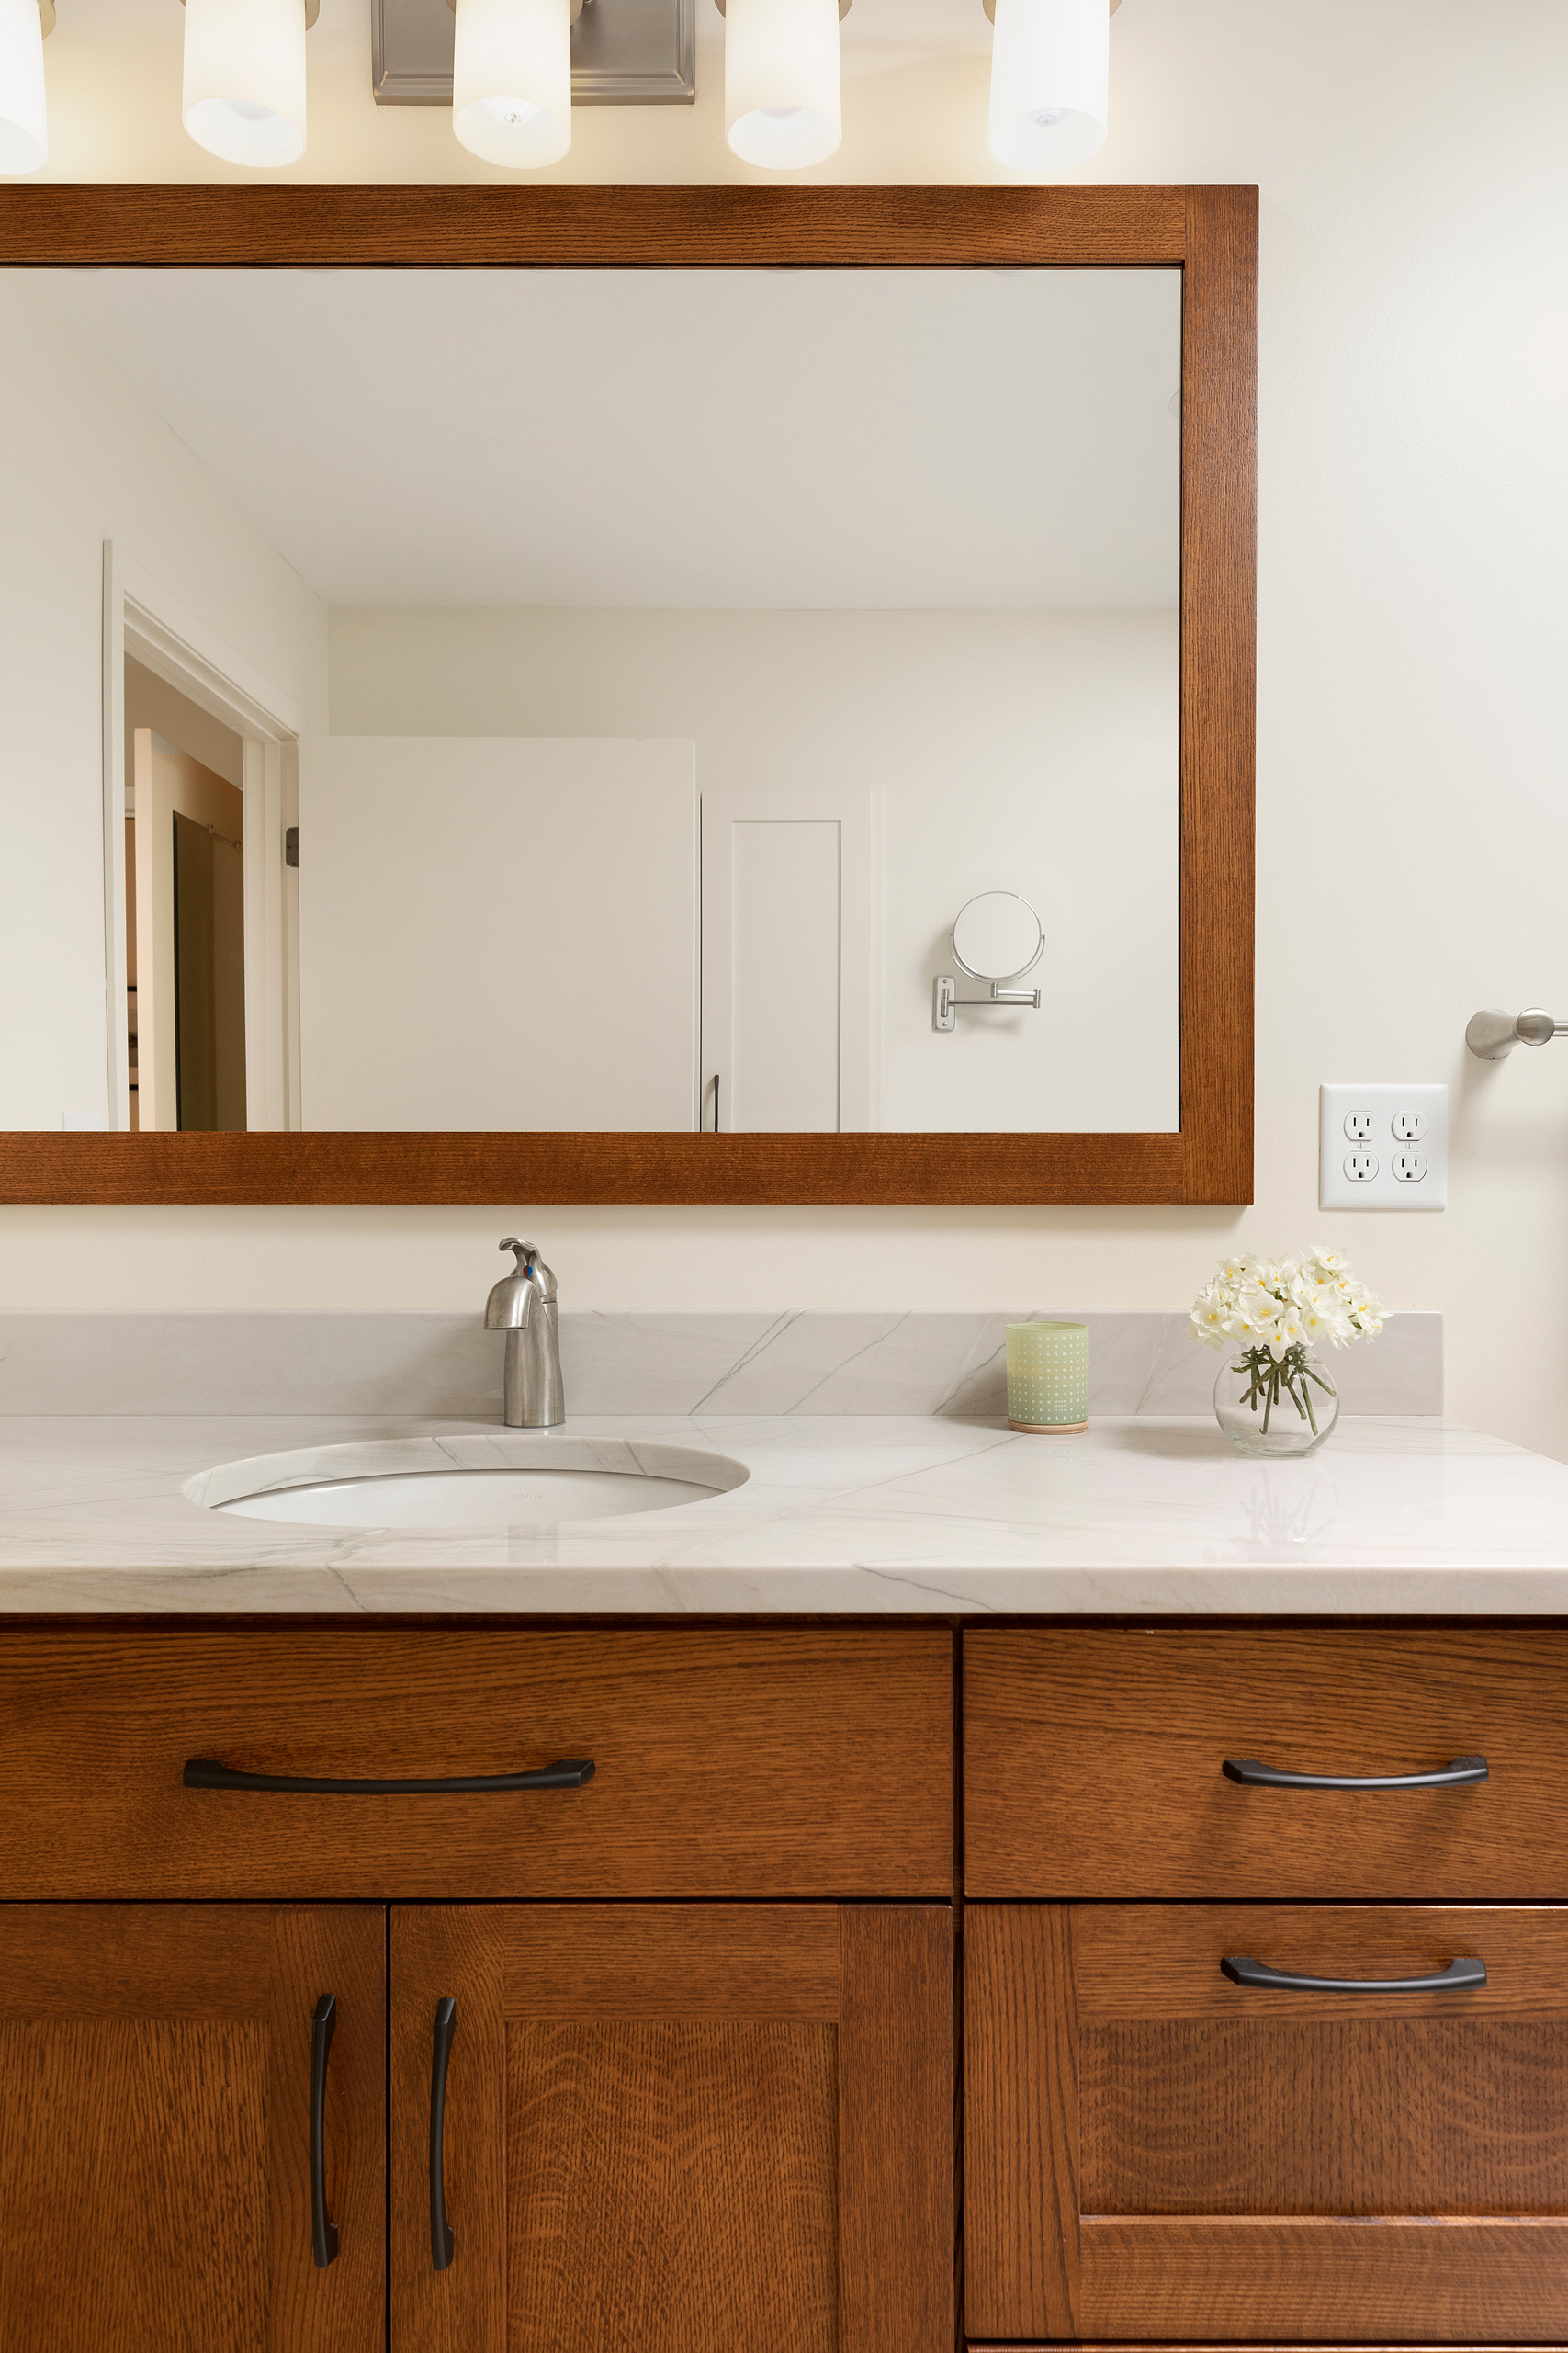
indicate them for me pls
(782, 106)
(244, 82)
(1050, 82)
(24, 119)
(512, 79)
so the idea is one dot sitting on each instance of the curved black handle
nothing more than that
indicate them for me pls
(1459, 1977)
(1463, 1773)
(205, 1772)
(323, 2234)
(441, 2234)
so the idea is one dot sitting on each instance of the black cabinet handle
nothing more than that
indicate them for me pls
(1463, 1773)
(441, 2233)
(204, 1772)
(322, 2233)
(1459, 1977)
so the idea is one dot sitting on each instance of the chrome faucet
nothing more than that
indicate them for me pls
(522, 1306)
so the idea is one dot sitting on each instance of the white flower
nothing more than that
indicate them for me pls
(1211, 1312)
(1275, 1304)
(1325, 1317)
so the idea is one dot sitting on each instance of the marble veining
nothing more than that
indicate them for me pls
(811, 1363)
(859, 1514)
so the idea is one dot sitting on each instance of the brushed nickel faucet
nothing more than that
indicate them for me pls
(522, 1306)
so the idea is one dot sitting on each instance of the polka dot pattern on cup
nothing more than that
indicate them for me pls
(1048, 1376)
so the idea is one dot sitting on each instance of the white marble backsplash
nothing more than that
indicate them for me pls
(813, 1362)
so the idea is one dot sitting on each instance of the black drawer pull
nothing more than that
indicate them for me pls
(442, 2236)
(204, 1772)
(1459, 1977)
(322, 2233)
(1463, 1773)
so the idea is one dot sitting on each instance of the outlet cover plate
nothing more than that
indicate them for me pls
(1343, 1114)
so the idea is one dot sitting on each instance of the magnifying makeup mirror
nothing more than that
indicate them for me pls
(996, 937)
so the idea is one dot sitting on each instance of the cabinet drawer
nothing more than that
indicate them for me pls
(726, 1763)
(1155, 2150)
(1094, 1763)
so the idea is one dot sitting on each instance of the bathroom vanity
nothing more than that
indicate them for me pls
(903, 1901)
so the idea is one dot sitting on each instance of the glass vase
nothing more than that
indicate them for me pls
(1274, 1408)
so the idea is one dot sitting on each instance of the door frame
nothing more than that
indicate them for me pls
(143, 622)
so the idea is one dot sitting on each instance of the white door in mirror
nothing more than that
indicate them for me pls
(1383, 1147)
(997, 936)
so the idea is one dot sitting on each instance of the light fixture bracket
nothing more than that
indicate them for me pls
(312, 10)
(990, 8)
(576, 8)
(844, 7)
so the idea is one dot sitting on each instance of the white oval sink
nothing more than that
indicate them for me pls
(527, 1481)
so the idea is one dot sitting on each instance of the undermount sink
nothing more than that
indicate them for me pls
(524, 1481)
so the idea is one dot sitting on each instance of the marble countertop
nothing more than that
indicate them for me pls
(859, 1515)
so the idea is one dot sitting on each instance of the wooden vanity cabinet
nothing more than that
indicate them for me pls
(155, 2129)
(722, 2124)
(1158, 2151)
(1094, 1763)
(675, 2128)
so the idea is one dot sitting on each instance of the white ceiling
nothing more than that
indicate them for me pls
(798, 439)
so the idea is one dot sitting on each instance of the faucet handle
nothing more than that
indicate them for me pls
(511, 1303)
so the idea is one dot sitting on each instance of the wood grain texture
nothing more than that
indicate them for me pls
(1219, 682)
(712, 227)
(897, 2185)
(340, 1950)
(755, 1762)
(671, 2187)
(154, 2133)
(135, 1962)
(1315, 2166)
(506, 1172)
(1209, 232)
(1333, 2116)
(1021, 2121)
(1309, 2278)
(134, 2172)
(664, 1961)
(1138, 1961)
(1092, 1762)
(663, 2173)
(460, 1952)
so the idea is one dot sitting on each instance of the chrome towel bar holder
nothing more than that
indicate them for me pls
(1493, 1034)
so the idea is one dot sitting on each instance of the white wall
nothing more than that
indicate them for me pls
(1412, 723)
(88, 460)
(1028, 752)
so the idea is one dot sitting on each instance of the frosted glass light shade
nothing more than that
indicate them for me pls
(1050, 84)
(244, 86)
(512, 80)
(782, 102)
(24, 122)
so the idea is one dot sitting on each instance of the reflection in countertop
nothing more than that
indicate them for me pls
(857, 1515)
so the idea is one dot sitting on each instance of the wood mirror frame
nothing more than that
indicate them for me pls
(1209, 234)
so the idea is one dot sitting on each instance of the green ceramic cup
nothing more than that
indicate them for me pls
(1047, 1378)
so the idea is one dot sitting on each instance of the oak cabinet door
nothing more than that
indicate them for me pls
(1156, 2150)
(156, 2070)
(673, 2129)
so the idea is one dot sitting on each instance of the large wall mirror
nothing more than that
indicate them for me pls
(552, 726)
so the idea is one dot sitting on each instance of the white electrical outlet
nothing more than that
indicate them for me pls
(1382, 1148)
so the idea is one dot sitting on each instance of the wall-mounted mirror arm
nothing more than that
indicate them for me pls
(947, 1000)
(1492, 1034)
